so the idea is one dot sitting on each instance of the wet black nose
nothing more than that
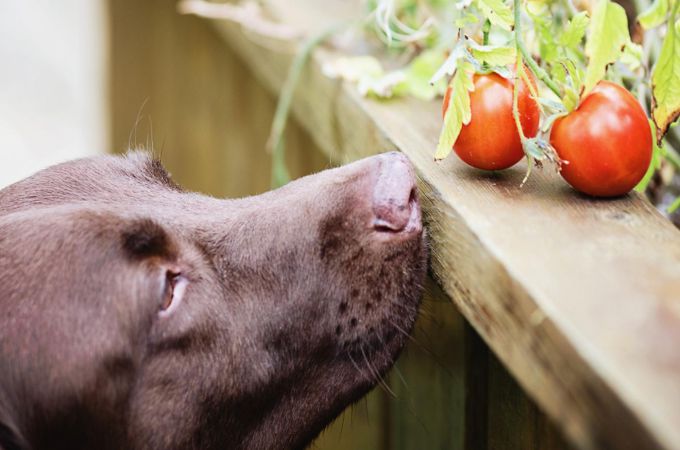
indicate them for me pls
(395, 199)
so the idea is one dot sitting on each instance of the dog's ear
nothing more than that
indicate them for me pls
(144, 238)
(9, 439)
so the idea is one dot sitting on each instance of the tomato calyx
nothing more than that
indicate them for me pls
(536, 148)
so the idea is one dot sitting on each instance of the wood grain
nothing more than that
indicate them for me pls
(579, 298)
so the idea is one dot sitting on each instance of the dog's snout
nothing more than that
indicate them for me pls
(395, 198)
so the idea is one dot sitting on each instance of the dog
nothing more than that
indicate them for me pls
(137, 315)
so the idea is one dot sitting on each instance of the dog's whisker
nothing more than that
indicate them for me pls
(378, 378)
(421, 347)
(356, 366)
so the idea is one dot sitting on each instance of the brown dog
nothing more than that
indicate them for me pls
(136, 315)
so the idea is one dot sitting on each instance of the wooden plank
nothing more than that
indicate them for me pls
(427, 409)
(578, 297)
(176, 86)
(513, 421)
(498, 414)
(476, 390)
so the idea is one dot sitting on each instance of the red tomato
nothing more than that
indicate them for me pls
(491, 141)
(607, 141)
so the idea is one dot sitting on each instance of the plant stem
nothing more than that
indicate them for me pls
(280, 174)
(485, 31)
(673, 142)
(536, 69)
(518, 71)
(515, 114)
(528, 59)
(515, 98)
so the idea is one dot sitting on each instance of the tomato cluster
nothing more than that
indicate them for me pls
(491, 140)
(606, 142)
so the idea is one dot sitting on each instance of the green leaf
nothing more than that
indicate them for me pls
(449, 66)
(559, 73)
(654, 164)
(547, 44)
(632, 56)
(385, 86)
(575, 30)
(497, 12)
(537, 7)
(608, 33)
(353, 68)
(466, 19)
(539, 149)
(550, 120)
(494, 55)
(654, 15)
(532, 148)
(571, 90)
(674, 206)
(458, 113)
(666, 81)
(419, 72)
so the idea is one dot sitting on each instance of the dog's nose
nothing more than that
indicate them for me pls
(395, 199)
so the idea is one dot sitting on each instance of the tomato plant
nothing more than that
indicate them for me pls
(464, 47)
(569, 47)
(491, 141)
(606, 141)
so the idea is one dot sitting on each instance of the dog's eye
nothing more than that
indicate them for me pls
(173, 292)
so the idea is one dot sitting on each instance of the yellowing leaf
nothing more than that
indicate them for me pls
(449, 66)
(497, 12)
(666, 82)
(458, 113)
(655, 15)
(353, 68)
(494, 55)
(575, 30)
(632, 55)
(607, 35)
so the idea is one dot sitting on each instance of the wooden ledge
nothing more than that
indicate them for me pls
(580, 298)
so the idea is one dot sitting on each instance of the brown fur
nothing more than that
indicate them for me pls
(293, 308)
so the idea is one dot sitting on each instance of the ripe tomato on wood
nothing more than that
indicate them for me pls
(606, 140)
(491, 141)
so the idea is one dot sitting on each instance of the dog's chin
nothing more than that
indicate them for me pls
(353, 364)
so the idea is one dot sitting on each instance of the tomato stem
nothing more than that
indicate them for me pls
(528, 59)
(515, 98)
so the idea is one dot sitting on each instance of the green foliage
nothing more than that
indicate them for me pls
(497, 12)
(607, 36)
(666, 78)
(654, 165)
(458, 113)
(493, 55)
(565, 49)
(574, 31)
(655, 15)
(373, 81)
(674, 206)
(419, 73)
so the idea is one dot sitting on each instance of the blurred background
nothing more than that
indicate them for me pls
(87, 77)
(53, 83)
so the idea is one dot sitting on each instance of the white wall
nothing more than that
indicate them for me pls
(53, 86)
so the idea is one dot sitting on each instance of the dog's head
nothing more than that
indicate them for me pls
(139, 315)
